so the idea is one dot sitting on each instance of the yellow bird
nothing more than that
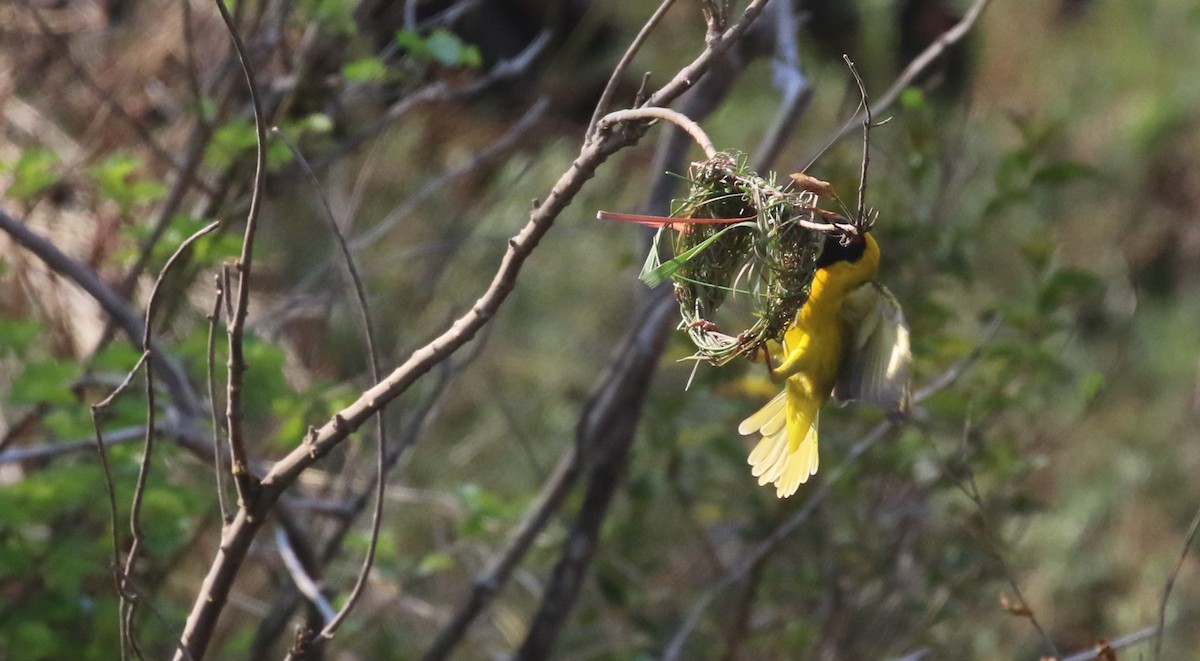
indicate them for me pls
(849, 341)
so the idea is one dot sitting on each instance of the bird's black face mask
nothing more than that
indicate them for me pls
(840, 248)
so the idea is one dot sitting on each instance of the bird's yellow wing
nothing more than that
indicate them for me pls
(877, 357)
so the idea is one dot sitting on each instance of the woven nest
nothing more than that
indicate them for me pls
(765, 254)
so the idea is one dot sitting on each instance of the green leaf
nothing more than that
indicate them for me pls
(445, 47)
(118, 180)
(365, 70)
(1089, 386)
(471, 57)
(278, 153)
(664, 271)
(434, 562)
(231, 141)
(912, 98)
(413, 43)
(318, 122)
(116, 357)
(336, 15)
(486, 511)
(34, 172)
(440, 46)
(17, 334)
(1062, 172)
(70, 422)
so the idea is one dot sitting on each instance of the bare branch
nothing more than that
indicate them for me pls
(666, 114)
(606, 426)
(364, 311)
(211, 373)
(243, 476)
(304, 583)
(54, 449)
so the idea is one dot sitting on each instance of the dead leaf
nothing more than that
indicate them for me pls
(812, 184)
(1014, 608)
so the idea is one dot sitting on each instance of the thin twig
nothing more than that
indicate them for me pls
(865, 105)
(214, 318)
(243, 477)
(121, 577)
(610, 88)
(53, 449)
(1170, 584)
(360, 297)
(139, 491)
(1119, 643)
(304, 583)
(1024, 608)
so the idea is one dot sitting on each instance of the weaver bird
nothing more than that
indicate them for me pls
(848, 341)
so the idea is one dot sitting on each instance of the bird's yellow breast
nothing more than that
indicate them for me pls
(812, 346)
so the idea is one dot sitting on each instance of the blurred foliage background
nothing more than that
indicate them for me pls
(1038, 199)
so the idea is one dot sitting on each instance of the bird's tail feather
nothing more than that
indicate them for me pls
(787, 454)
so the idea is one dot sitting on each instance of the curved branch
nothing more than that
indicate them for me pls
(666, 114)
